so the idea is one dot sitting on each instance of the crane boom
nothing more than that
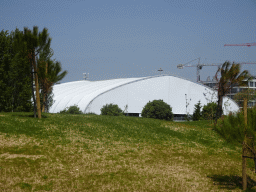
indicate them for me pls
(200, 66)
(243, 44)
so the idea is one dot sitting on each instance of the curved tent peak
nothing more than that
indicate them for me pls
(90, 96)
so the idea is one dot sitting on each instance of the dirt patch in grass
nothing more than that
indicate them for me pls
(13, 156)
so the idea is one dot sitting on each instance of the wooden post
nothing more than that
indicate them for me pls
(37, 97)
(37, 86)
(244, 147)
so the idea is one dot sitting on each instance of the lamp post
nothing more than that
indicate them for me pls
(160, 70)
(186, 104)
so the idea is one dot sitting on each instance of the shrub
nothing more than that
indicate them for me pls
(157, 109)
(112, 110)
(209, 111)
(91, 113)
(197, 115)
(72, 110)
(231, 127)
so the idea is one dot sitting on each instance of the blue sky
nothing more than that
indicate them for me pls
(134, 38)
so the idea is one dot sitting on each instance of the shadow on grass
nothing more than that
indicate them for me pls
(232, 182)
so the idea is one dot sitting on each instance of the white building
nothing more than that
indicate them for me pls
(179, 93)
(234, 90)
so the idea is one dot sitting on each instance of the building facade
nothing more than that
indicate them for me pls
(234, 90)
(181, 94)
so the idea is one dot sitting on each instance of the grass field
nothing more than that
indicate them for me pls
(102, 153)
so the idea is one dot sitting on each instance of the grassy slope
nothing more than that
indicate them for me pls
(101, 153)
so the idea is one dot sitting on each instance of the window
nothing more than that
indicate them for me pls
(251, 84)
(250, 104)
(234, 90)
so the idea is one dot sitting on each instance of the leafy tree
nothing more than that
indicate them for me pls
(111, 109)
(209, 111)
(197, 115)
(157, 109)
(230, 75)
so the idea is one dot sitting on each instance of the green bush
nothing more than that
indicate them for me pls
(112, 110)
(197, 114)
(231, 127)
(209, 111)
(90, 113)
(72, 110)
(157, 109)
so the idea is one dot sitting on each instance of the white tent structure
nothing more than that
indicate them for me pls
(179, 93)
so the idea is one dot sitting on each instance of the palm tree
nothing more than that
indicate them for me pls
(230, 76)
(35, 43)
(44, 56)
(50, 73)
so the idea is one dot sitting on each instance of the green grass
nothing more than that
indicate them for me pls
(63, 152)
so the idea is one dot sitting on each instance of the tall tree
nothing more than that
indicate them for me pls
(20, 46)
(197, 114)
(44, 57)
(36, 42)
(230, 76)
(5, 62)
(50, 73)
(14, 75)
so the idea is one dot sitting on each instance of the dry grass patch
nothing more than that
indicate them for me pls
(13, 156)
(16, 141)
(73, 153)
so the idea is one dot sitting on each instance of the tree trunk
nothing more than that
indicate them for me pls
(244, 168)
(244, 147)
(46, 105)
(37, 89)
(44, 91)
(245, 112)
(43, 106)
(33, 94)
(37, 97)
(219, 108)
